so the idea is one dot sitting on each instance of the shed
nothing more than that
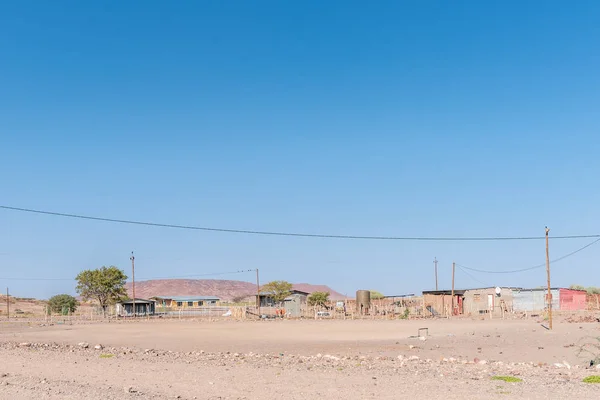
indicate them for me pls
(142, 307)
(531, 300)
(572, 300)
(439, 302)
(266, 299)
(294, 303)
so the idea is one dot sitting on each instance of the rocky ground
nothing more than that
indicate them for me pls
(298, 360)
(92, 371)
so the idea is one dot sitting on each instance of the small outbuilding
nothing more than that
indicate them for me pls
(143, 307)
(441, 303)
(572, 300)
(535, 300)
(266, 299)
(293, 305)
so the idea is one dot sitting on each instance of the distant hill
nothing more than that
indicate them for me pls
(224, 289)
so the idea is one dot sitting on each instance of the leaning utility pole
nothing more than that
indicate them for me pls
(257, 293)
(453, 269)
(132, 258)
(548, 273)
(435, 264)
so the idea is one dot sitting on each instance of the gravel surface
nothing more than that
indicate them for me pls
(65, 369)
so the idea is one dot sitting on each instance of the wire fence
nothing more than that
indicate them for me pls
(412, 308)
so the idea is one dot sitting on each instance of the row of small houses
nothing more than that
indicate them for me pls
(499, 300)
(293, 304)
(492, 301)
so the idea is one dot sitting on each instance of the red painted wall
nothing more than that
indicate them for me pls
(571, 300)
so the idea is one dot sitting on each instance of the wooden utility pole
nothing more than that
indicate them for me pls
(257, 294)
(436, 280)
(132, 258)
(7, 305)
(548, 273)
(453, 269)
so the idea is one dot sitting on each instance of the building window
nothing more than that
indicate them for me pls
(190, 304)
(179, 303)
(213, 302)
(477, 297)
(200, 303)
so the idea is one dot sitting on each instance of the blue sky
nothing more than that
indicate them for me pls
(459, 118)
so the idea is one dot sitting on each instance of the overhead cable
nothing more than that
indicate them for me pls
(290, 234)
(533, 267)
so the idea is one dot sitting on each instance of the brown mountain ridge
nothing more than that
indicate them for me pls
(224, 289)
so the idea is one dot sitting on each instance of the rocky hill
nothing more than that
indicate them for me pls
(225, 289)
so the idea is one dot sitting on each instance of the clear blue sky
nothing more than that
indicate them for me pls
(463, 118)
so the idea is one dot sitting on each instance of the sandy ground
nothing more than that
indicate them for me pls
(296, 359)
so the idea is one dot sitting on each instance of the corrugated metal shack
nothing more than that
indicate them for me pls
(573, 300)
(295, 303)
(266, 299)
(142, 307)
(533, 300)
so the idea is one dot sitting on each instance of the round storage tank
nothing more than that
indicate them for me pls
(363, 301)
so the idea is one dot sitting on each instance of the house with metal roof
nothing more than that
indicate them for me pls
(186, 302)
(142, 307)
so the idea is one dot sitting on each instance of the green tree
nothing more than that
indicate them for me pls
(62, 304)
(576, 287)
(318, 299)
(107, 285)
(277, 290)
(375, 295)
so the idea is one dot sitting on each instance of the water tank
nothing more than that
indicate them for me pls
(363, 301)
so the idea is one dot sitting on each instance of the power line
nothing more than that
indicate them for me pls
(144, 279)
(471, 276)
(503, 272)
(289, 234)
(535, 266)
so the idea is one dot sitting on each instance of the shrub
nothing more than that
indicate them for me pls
(63, 304)
(318, 298)
(511, 379)
(592, 379)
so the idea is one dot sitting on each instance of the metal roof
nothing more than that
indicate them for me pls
(445, 292)
(186, 298)
(513, 288)
(536, 289)
(137, 301)
(293, 291)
